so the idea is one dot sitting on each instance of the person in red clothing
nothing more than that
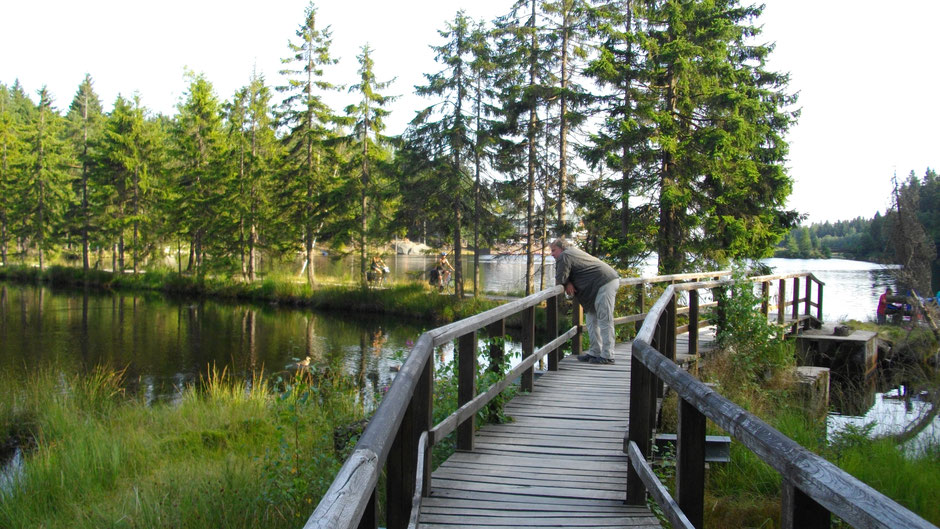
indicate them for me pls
(883, 307)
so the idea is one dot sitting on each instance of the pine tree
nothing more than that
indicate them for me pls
(451, 139)
(46, 189)
(84, 122)
(369, 157)
(309, 178)
(523, 62)
(198, 148)
(256, 153)
(720, 125)
(622, 143)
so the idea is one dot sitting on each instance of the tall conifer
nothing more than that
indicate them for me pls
(309, 172)
(45, 191)
(84, 119)
(369, 156)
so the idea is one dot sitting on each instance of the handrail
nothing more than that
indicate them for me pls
(348, 497)
(810, 482)
(393, 438)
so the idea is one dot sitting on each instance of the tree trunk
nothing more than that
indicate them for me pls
(530, 184)
(563, 125)
(670, 253)
(252, 241)
(85, 182)
(134, 251)
(626, 169)
(363, 205)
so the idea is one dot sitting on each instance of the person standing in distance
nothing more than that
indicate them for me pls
(594, 284)
(882, 310)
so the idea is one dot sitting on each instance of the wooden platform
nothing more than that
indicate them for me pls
(558, 464)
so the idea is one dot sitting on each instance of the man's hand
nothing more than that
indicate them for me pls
(569, 288)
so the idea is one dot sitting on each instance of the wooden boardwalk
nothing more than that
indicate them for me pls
(558, 464)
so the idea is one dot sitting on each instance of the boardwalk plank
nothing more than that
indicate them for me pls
(558, 463)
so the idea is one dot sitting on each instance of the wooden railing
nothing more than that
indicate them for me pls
(400, 435)
(812, 487)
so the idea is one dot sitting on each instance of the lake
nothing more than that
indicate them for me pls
(166, 343)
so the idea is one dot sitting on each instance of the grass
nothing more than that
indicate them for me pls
(228, 454)
(404, 299)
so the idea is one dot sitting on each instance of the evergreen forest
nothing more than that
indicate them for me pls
(907, 234)
(637, 126)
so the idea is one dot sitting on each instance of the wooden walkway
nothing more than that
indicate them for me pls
(560, 462)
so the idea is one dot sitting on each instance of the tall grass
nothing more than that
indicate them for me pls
(229, 454)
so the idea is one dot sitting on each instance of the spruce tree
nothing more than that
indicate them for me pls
(369, 158)
(720, 122)
(309, 176)
(45, 192)
(451, 139)
(523, 61)
(198, 148)
(10, 148)
(84, 122)
(125, 162)
(256, 153)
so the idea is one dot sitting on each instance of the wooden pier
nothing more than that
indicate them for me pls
(577, 453)
(559, 463)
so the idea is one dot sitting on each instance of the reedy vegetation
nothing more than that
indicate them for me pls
(655, 122)
(229, 453)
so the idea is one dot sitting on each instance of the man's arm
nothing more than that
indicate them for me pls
(569, 288)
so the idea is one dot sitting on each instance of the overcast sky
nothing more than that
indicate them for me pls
(867, 72)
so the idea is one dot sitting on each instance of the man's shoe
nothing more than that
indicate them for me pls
(585, 358)
(599, 360)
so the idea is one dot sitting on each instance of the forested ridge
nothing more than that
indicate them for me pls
(909, 230)
(640, 126)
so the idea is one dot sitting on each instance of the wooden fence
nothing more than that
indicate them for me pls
(400, 436)
(812, 487)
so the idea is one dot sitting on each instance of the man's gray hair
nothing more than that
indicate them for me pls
(562, 243)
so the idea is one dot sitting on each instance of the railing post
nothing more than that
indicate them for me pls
(693, 322)
(719, 294)
(528, 347)
(551, 330)
(819, 296)
(640, 303)
(781, 300)
(670, 349)
(466, 386)
(638, 429)
(765, 298)
(577, 316)
(497, 352)
(799, 511)
(807, 295)
(423, 403)
(397, 492)
(796, 298)
(690, 463)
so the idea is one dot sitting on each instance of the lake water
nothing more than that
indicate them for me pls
(851, 288)
(167, 343)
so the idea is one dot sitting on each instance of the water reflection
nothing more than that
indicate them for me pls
(165, 344)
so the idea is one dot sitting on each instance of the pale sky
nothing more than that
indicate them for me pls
(867, 72)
